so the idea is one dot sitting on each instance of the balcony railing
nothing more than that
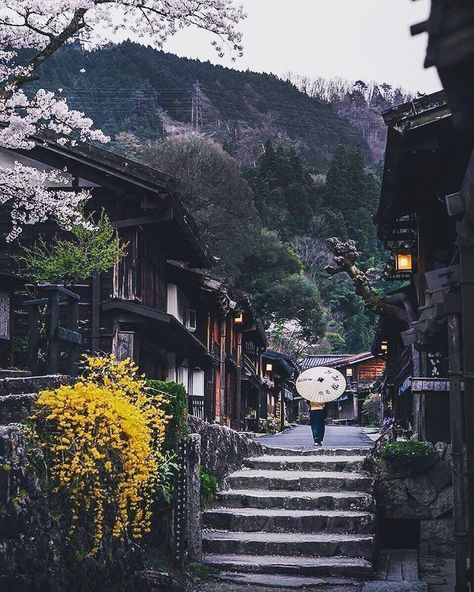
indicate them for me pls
(250, 366)
(196, 406)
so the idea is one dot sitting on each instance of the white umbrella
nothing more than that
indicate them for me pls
(321, 384)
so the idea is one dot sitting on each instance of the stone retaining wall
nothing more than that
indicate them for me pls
(420, 491)
(222, 450)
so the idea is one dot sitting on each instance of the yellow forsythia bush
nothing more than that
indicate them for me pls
(103, 438)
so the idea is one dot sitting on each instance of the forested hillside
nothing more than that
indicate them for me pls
(359, 102)
(147, 89)
(268, 171)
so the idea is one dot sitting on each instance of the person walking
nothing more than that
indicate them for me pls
(318, 422)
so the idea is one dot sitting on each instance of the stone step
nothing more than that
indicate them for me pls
(320, 451)
(306, 463)
(299, 480)
(16, 408)
(309, 500)
(31, 384)
(294, 544)
(301, 566)
(303, 521)
(287, 583)
(7, 373)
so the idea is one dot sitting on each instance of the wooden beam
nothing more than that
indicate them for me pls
(165, 216)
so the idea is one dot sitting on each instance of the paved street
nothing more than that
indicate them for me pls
(336, 437)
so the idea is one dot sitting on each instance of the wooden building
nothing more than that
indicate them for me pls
(280, 400)
(426, 162)
(429, 182)
(362, 372)
(156, 306)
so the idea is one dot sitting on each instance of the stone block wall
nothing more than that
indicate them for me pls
(222, 450)
(420, 491)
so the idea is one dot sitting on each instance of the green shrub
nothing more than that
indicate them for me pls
(93, 248)
(405, 449)
(175, 406)
(209, 486)
(372, 409)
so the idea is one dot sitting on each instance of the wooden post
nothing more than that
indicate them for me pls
(467, 311)
(457, 444)
(282, 406)
(238, 385)
(95, 321)
(193, 496)
(74, 326)
(53, 323)
(33, 338)
(222, 384)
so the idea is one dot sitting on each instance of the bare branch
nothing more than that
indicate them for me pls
(345, 260)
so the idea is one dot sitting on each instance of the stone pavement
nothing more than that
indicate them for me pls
(336, 437)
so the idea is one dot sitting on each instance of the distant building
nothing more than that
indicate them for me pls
(363, 373)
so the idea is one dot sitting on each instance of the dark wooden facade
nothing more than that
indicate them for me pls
(280, 401)
(426, 161)
(125, 310)
(176, 322)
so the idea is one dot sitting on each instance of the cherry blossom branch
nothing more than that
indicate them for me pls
(47, 25)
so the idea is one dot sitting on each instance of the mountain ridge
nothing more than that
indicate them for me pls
(149, 90)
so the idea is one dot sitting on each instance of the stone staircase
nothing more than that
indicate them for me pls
(287, 514)
(18, 392)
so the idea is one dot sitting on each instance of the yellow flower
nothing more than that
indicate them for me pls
(108, 414)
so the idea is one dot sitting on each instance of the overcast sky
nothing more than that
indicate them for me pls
(354, 39)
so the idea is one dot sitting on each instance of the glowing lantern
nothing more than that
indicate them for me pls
(404, 261)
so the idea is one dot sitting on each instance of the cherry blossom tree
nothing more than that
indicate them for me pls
(43, 26)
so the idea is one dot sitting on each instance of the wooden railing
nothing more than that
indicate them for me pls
(62, 335)
(250, 365)
(196, 406)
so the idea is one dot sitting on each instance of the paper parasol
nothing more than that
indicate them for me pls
(321, 384)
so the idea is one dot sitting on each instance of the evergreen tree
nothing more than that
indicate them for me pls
(285, 194)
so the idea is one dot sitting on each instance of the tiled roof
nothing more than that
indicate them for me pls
(323, 360)
(335, 360)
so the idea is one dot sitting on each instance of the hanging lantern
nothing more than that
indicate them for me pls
(404, 261)
(239, 319)
(384, 347)
(269, 367)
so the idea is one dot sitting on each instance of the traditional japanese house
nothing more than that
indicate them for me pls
(442, 340)
(426, 161)
(156, 306)
(232, 383)
(135, 309)
(396, 383)
(252, 341)
(362, 372)
(281, 401)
